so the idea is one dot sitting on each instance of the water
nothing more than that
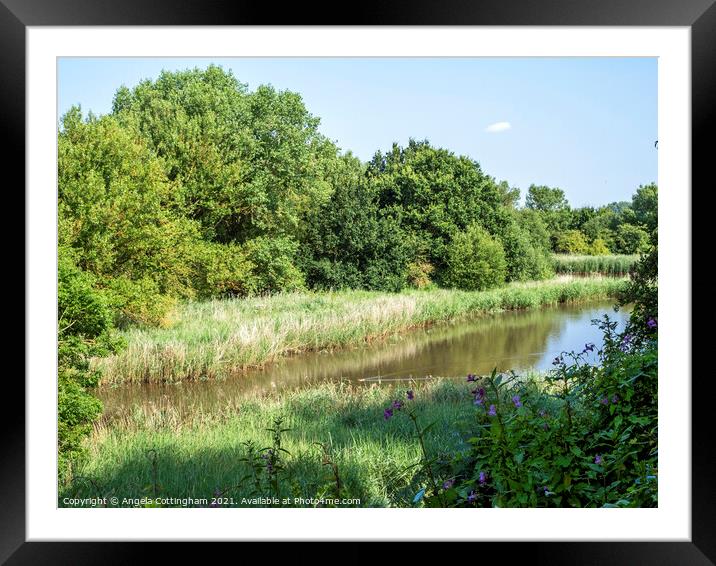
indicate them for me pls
(514, 340)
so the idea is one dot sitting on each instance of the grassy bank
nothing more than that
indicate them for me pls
(214, 339)
(613, 265)
(161, 451)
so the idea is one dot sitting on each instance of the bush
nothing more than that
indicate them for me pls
(631, 239)
(583, 436)
(139, 302)
(274, 269)
(526, 260)
(81, 308)
(224, 270)
(419, 273)
(475, 261)
(598, 247)
(571, 242)
(84, 330)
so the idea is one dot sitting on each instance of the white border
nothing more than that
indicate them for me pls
(671, 521)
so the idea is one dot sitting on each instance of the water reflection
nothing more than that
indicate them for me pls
(514, 340)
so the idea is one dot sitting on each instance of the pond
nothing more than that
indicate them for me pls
(519, 340)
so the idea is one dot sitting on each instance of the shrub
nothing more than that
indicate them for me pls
(599, 247)
(571, 242)
(84, 331)
(525, 258)
(273, 260)
(475, 261)
(139, 302)
(584, 436)
(224, 270)
(419, 273)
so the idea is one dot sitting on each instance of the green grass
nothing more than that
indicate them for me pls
(217, 338)
(594, 264)
(198, 454)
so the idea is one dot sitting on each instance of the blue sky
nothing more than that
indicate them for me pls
(585, 125)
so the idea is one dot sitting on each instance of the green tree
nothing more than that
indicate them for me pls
(571, 242)
(249, 164)
(117, 210)
(434, 194)
(552, 206)
(350, 242)
(631, 239)
(546, 199)
(645, 204)
(476, 260)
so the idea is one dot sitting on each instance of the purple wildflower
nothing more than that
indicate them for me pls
(472, 497)
(626, 342)
(387, 414)
(397, 405)
(448, 484)
(598, 459)
(479, 401)
(516, 401)
(615, 399)
(492, 412)
(483, 478)
(651, 323)
(604, 401)
(589, 347)
(557, 361)
(471, 377)
(410, 395)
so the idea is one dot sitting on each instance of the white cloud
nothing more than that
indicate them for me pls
(498, 127)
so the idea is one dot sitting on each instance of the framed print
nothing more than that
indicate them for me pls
(389, 279)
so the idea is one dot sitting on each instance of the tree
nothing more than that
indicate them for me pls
(546, 199)
(117, 210)
(571, 242)
(434, 194)
(645, 204)
(631, 239)
(552, 206)
(350, 242)
(249, 164)
(476, 261)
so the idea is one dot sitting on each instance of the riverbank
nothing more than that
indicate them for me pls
(217, 338)
(165, 451)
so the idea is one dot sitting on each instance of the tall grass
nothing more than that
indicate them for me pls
(613, 265)
(216, 338)
(170, 452)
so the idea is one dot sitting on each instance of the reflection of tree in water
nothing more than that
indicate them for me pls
(506, 340)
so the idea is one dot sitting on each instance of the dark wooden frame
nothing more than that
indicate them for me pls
(699, 15)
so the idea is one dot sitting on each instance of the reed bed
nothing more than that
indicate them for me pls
(217, 338)
(612, 265)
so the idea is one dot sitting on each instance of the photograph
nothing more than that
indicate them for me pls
(357, 282)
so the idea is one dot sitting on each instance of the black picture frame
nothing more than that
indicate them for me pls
(699, 15)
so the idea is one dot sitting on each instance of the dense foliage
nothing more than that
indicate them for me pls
(84, 330)
(584, 435)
